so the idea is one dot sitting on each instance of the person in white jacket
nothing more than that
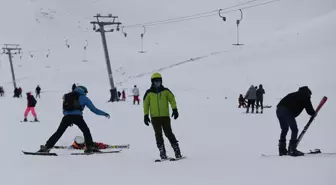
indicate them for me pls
(136, 95)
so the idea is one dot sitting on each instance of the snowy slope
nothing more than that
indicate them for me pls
(223, 145)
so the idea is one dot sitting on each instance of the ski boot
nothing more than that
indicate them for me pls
(44, 149)
(177, 150)
(36, 120)
(163, 154)
(282, 148)
(292, 151)
(25, 120)
(91, 150)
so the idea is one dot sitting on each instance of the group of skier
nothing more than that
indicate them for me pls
(156, 103)
(156, 111)
(253, 98)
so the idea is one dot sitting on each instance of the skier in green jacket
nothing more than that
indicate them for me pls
(156, 102)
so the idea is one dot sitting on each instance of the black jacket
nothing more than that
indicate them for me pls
(260, 94)
(297, 101)
(31, 101)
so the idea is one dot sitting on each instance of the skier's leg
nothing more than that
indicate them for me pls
(26, 112)
(248, 106)
(284, 130)
(66, 121)
(79, 121)
(33, 112)
(166, 125)
(157, 126)
(294, 128)
(262, 106)
(252, 104)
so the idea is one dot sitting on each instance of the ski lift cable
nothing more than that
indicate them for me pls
(202, 15)
(190, 16)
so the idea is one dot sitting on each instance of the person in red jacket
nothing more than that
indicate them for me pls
(123, 95)
(79, 143)
(30, 107)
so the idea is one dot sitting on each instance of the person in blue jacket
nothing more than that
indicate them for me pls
(73, 106)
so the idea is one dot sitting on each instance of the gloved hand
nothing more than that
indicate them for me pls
(147, 120)
(107, 115)
(175, 114)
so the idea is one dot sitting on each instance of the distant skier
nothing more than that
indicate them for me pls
(16, 93)
(288, 109)
(156, 102)
(20, 92)
(73, 87)
(260, 98)
(136, 95)
(30, 107)
(241, 101)
(251, 96)
(73, 106)
(123, 94)
(119, 95)
(2, 91)
(38, 91)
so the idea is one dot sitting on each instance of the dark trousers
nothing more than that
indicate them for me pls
(287, 120)
(260, 104)
(38, 95)
(250, 103)
(163, 123)
(65, 123)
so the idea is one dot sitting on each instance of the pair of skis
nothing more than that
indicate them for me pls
(118, 147)
(126, 146)
(170, 159)
(55, 154)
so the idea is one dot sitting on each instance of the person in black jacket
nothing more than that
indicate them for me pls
(38, 91)
(260, 98)
(288, 109)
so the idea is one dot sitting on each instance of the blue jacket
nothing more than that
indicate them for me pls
(84, 101)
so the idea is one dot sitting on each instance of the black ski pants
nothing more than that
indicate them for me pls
(260, 104)
(67, 121)
(287, 120)
(163, 123)
(250, 103)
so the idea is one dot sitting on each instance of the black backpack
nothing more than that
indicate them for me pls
(71, 102)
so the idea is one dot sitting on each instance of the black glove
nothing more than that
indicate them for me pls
(107, 115)
(147, 120)
(175, 114)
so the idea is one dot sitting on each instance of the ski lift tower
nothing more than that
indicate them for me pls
(10, 50)
(101, 29)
